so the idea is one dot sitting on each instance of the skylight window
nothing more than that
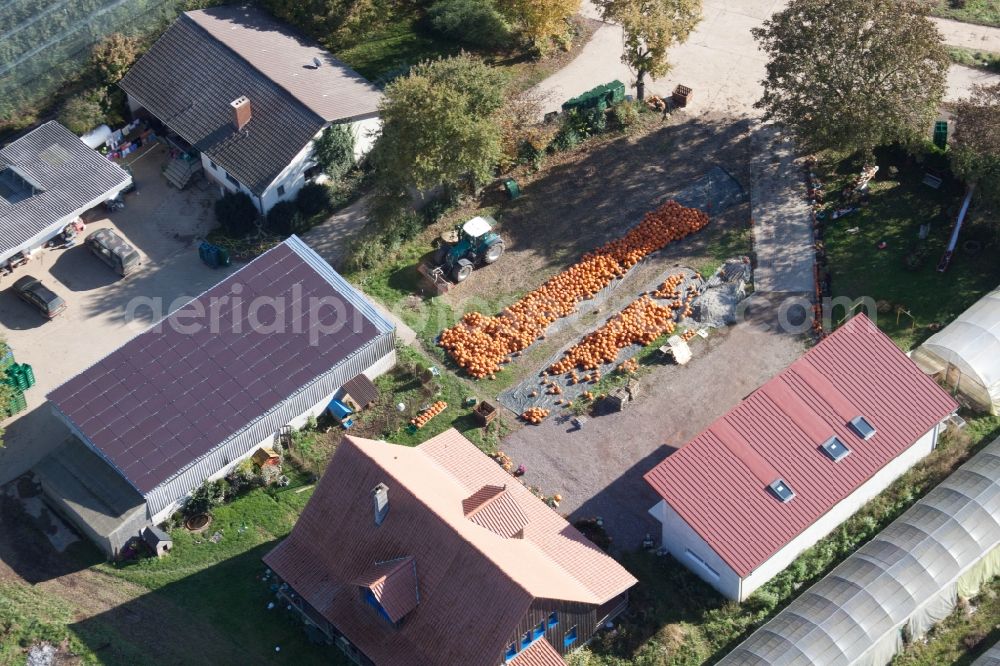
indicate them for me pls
(835, 449)
(782, 490)
(862, 427)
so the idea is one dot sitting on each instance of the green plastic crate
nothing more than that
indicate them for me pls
(29, 374)
(17, 404)
(601, 97)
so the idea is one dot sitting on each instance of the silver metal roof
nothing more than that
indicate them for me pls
(990, 658)
(874, 591)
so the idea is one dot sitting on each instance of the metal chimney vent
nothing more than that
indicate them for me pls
(380, 501)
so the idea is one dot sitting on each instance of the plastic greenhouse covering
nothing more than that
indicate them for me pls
(990, 658)
(966, 353)
(909, 576)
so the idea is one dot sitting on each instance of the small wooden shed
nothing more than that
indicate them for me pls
(158, 540)
(359, 393)
(264, 456)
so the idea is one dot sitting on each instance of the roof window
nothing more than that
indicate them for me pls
(782, 490)
(862, 427)
(835, 449)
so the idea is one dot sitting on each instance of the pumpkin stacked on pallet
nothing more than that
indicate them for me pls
(481, 344)
(423, 417)
(534, 415)
(640, 323)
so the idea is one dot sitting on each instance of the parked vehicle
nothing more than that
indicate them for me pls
(33, 292)
(469, 245)
(112, 249)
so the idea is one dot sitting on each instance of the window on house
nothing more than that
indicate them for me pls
(782, 490)
(553, 619)
(526, 639)
(701, 564)
(281, 190)
(511, 651)
(232, 180)
(835, 449)
(539, 631)
(862, 427)
(570, 637)
(214, 165)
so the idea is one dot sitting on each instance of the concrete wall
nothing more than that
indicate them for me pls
(679, 537)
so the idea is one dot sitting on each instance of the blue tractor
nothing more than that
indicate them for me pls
(470, 245)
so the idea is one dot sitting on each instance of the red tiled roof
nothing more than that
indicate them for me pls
(718, 481)
(539, 653)
(394, 585)
(493, 507)
(474, 585)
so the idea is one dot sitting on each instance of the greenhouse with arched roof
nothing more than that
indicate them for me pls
(898, 585)
(965, 354)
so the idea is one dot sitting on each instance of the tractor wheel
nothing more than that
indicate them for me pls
(493, 252)
(462, 270)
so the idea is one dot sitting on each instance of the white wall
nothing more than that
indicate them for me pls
(365, 132)
(679, 536)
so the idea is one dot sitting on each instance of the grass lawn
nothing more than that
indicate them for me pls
(984, 12)
(964, 635)
(389, 52)
(28, 616)
(984, 60)
(900, 204)
(676, 619)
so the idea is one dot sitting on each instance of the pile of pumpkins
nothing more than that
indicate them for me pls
(670, 288)
(641, 322)
(629, 367)
(481, 344)
(423, 417)
(534, 415)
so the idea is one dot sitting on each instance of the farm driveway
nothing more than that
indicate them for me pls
(598, 470)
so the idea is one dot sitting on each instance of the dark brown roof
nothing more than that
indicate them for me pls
(539, 653)
(362, 390)
(171, 395)
(394, 586)
(208, 58)
(474, 585)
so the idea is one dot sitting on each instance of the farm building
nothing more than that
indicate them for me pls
(248, 95)
(189, 398)
(796, 458)
(903, 581)
(48, 178)
(965, 354)
(435, 555)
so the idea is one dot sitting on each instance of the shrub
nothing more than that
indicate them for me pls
(205, 497)
(284, 219)
(472, 22)
(112, 57)
(82, 113)
(314, 199)
(244, 477)
(335, 150)
(625, 116)
(236, 214)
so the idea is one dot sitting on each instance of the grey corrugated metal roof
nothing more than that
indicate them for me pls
(333, 90)
(207, 59)
(875, 590)
(172, 394)
(70, 175)
(990, 658)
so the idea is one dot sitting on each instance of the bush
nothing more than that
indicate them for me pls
(244, 477)
(205, 497)
(625, 116)
(82, 113)
(236, 214)
(472, 22)
(285, 219)
(335, 150)
(314, 199)
(113, 56)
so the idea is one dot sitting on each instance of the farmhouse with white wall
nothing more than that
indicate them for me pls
(796, 458)
(249, 96)
(192, 396)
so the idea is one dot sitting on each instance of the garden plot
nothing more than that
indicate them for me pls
(562, 383)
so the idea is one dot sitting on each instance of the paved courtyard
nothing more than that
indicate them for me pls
(163, 225)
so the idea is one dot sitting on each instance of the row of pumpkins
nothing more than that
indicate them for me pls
(423, 417)
(481, 344)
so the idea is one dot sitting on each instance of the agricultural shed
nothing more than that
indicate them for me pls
(796, 458)
(965, 354)
(990, 658)
(48, 178)
(904, 580)
(196, 393)
(428, 555)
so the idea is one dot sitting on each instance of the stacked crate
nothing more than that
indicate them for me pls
(19, 377)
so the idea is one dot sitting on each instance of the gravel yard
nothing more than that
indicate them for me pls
(598, 469)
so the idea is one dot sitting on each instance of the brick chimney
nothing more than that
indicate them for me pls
(241, 112)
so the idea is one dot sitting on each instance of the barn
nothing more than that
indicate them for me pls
(198, 392)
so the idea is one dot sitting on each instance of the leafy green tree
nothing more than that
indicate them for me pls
(473, 22)
(975, 148)
(852, 74)
(439, 126)
(237, 214)
(650, 28)
(82, 113)
(334, 150)
(112, 57)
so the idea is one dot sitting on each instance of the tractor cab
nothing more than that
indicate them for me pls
(469, 245)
